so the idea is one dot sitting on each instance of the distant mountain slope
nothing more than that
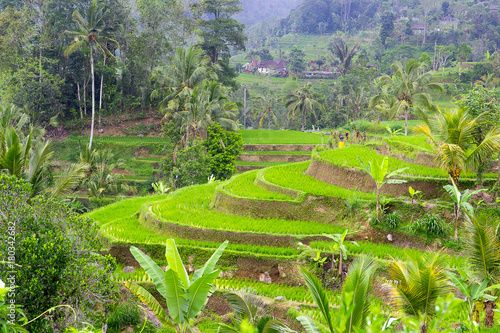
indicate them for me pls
(255, 11)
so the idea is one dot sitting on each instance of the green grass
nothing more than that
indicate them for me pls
(272, 152)
(292, 176)
(280, 137)
(191, 207)
(348, 157)
(262, 164)
(387, 252)
(243, 186)
(120, 139)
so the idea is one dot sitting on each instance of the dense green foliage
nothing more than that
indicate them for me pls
(50, 253)
(223, 147)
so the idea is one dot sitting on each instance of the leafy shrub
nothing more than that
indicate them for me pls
(124, 314)
(431, 225)
(223, 147)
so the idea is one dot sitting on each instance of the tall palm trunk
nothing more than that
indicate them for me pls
(79, 99)
(406, 121)
(93, 97)
(269, 118)
(100, 94)
(303, 115)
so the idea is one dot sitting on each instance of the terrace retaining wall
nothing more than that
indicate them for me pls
(432, 188)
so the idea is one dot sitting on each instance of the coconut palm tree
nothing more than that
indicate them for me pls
(302, 100)
(267, 102)
(223, 111)
(201, 106)
(341, 50)
(187, 69)
(356, 100)
(355, 299)
(409, 86)
(27, 157)
(482, 246)
(92, 32)
(452, 133)
(417, 283)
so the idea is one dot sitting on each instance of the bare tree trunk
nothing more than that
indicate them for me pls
(303, 117)
(93, 98)
(455, 208)
(489, 306)
(340, 263)
(378, 204)
(85, 83)
(406, 122)
(79, 99)
(100, 94)
(245, 113)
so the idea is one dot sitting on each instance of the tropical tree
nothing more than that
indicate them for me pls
(196, 109)
(248, 305)
(92, 32)
(27, 157)
(482, 246)
(341, 50)
(187, 69)
(355, 299)
(418, 283)
(302, 100)
(339, 244)
(460, 202)
(356, 100)
(185, 297)
(452, 133)
(268, 103)
(381, 176)
(475, 293)
(408, 86)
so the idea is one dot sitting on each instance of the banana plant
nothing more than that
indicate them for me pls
(381, 176)
(460, 202)
(474, 293)
(185, 297)
(339, 244)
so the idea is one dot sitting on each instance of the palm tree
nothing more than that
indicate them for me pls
(482, 246)
(408, 85)
(355, 299)
(93, 32)
(302, 100)
(27, 157)
(268, 102)
(452, 133)
(418, 282)
(222, 110)
(199, 107)
(488, 81)
(188, 68)
(356, 100)
(247, 305)
(341, 50)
